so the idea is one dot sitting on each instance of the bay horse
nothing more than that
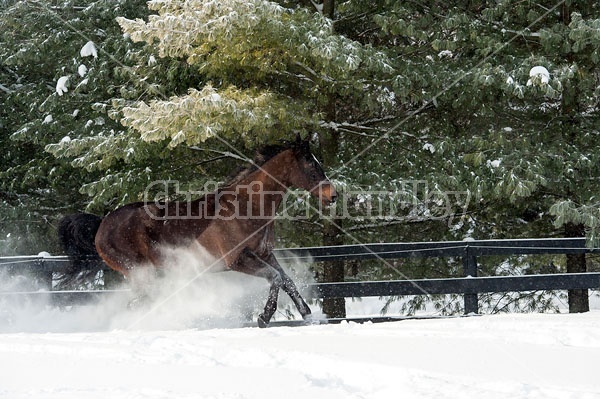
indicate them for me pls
(234, 224)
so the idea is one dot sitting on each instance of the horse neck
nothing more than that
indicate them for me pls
(273, 179)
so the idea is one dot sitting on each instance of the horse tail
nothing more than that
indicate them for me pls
(76, 234)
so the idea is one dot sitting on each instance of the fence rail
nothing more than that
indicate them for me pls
(470, 285)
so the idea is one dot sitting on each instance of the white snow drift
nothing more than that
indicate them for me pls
(505, 356)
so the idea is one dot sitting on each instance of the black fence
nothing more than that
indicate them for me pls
(470, 285)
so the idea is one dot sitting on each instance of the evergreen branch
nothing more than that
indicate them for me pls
(394, 222)
(223, 154)
(361, 129)
(6, 89)
(317, 77)
(200, 163)
(353, 18)
(524, 33)
(361, 134)
(11, 72)
(295, 76)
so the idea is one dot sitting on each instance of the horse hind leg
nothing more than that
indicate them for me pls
(250, 263)
(274, 278)
(271, 306)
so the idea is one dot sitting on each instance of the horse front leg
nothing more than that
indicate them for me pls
(290, 288)
(269, 268)
(282, 280)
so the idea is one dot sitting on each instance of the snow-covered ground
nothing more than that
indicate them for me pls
(502, 356)
(179, 347)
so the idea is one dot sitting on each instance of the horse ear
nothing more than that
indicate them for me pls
(304, 144)
(301, 145)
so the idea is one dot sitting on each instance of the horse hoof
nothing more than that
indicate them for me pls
(262, 323)
(309, 320)
(138, 302)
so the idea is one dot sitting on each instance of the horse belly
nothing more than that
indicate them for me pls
(226, 241)
(222, 243)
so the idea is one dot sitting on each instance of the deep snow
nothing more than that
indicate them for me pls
(178, 347)
(502, 356)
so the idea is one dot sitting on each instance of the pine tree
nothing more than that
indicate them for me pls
(507, 105)
(47, 88)
(477, 119)
(265, 72)
(295, 74)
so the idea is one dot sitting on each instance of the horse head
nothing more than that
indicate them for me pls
(308, 173)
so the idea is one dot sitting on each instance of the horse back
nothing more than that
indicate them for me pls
(135, 234)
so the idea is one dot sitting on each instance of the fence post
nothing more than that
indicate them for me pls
(42, 277)
(470, 270)
(576, 263)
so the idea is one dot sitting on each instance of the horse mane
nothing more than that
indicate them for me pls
(262, 156)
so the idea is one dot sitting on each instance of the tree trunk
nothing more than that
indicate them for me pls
(332, 232)
(578, 299)
(333, 272)
(332, 229)
(329, 8)
(576, 263)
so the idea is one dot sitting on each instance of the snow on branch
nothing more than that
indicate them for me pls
(201, 30)
(203, 114)
(5, 89)
(61, 85)
(89, 49)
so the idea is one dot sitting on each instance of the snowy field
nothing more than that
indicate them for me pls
(503, 356)
(506, 356)
(193, 345)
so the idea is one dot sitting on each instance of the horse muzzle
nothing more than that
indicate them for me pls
(327, 193)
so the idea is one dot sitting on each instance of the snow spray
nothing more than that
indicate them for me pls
(192, 290)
